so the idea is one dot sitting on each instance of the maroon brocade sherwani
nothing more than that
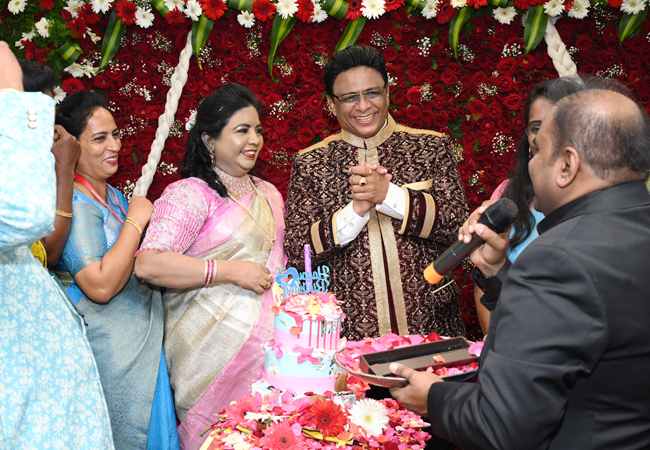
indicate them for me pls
(378, 276)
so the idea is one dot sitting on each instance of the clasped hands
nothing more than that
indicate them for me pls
(369, 184)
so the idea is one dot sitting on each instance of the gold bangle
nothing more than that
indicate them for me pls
(63, 214)
(135, 224)
(7, 90)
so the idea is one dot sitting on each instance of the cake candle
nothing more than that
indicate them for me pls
(308, 266)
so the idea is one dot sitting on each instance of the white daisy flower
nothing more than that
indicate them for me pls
(287, 8)
(430, 10)
(101, 5)
(16, 6)
(76, 70)
(373, 9)
(458, 3)
(143, 17)
(580, 9)
(193, 10)
(43, 27)
(26, 37)
(73, 7)
(171, 4)
(554, 7)
(633, 6)
(505, 15)
(59, 94)
(320, 15)
(246, 19)
(370, 415)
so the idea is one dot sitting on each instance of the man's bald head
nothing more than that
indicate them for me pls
(609, 129)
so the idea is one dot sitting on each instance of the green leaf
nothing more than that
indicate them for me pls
(240, 5)
(535, 27)
(112, 40)
(629, 23)
(69, 52)
(160, 7)
(200, 33)
(350, 35)
(280, 30)
(456, 24)
(336, 8)
(415, 4)
(498, 3)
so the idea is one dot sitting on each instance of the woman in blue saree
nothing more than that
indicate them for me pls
(124, 316)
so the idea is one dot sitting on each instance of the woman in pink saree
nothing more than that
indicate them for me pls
(214, 243)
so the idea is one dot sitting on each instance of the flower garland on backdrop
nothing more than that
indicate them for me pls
(477, 97)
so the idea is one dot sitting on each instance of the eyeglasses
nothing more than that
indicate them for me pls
(370, 95)
(533, 128)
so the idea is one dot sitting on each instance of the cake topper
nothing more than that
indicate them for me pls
(293, 282)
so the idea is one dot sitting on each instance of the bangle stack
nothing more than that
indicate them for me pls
(63, 214)
(210, 271)
(135, 224)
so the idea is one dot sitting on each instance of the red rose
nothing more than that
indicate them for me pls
(426, 117)
(583, 42)
(504, 125)
(512, 102)
(469, 138)
(448, 78)
(440, 119)
(496, 44)
(390, 54)
(494, 111)
(507, 66)
(101, 81)
(478, 109)
(414, 95)
(500, 170)
(72, 85)
(608, 58)
(399, 98)
(413, 112)
(610, 34)
(415, 76)
(504, 83)
(305, 136)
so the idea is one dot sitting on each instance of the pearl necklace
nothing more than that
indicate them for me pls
(239, 186)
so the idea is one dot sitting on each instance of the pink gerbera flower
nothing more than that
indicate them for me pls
(282, 436)
(237, 411)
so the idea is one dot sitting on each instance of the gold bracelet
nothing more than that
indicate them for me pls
(63, 214)
(7, 90)
(135, 224)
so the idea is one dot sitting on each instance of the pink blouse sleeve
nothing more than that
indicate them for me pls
(498, 192)
(177, 218)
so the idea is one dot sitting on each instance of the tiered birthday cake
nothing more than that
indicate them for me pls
(300, 357)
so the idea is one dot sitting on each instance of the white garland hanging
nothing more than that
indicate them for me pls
(166, 120)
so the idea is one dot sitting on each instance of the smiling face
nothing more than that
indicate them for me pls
(366, 117)
(100, 144)
(237, 147)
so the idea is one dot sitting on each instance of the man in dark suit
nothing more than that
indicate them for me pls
(566, 362)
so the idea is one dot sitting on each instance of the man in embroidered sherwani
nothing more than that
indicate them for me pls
(377, 202)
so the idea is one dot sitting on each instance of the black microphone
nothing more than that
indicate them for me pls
(497, 217)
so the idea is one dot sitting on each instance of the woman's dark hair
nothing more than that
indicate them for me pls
(520, 187)
(36, 77)
(212, 116)
(76, 109)
(351, 57)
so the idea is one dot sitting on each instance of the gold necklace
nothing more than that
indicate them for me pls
(269, 237)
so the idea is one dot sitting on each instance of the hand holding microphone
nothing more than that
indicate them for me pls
(498, 217)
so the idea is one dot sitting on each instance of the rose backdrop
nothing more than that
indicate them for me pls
(477, 99)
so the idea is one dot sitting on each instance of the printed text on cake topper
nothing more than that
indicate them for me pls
(293, 282)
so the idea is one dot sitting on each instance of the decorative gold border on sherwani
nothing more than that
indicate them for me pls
(407, 209)
(419, 185)
(315, 237)
(429, 217)
(335, 232)
(380, 229)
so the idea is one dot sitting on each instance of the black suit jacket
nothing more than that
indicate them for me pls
(566, 364)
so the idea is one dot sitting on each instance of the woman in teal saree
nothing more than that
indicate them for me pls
(124, 316)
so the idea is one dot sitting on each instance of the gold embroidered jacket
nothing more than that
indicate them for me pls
(378, 276)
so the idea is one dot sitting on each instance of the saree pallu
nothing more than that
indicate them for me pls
(125, 334)
(214, 334)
